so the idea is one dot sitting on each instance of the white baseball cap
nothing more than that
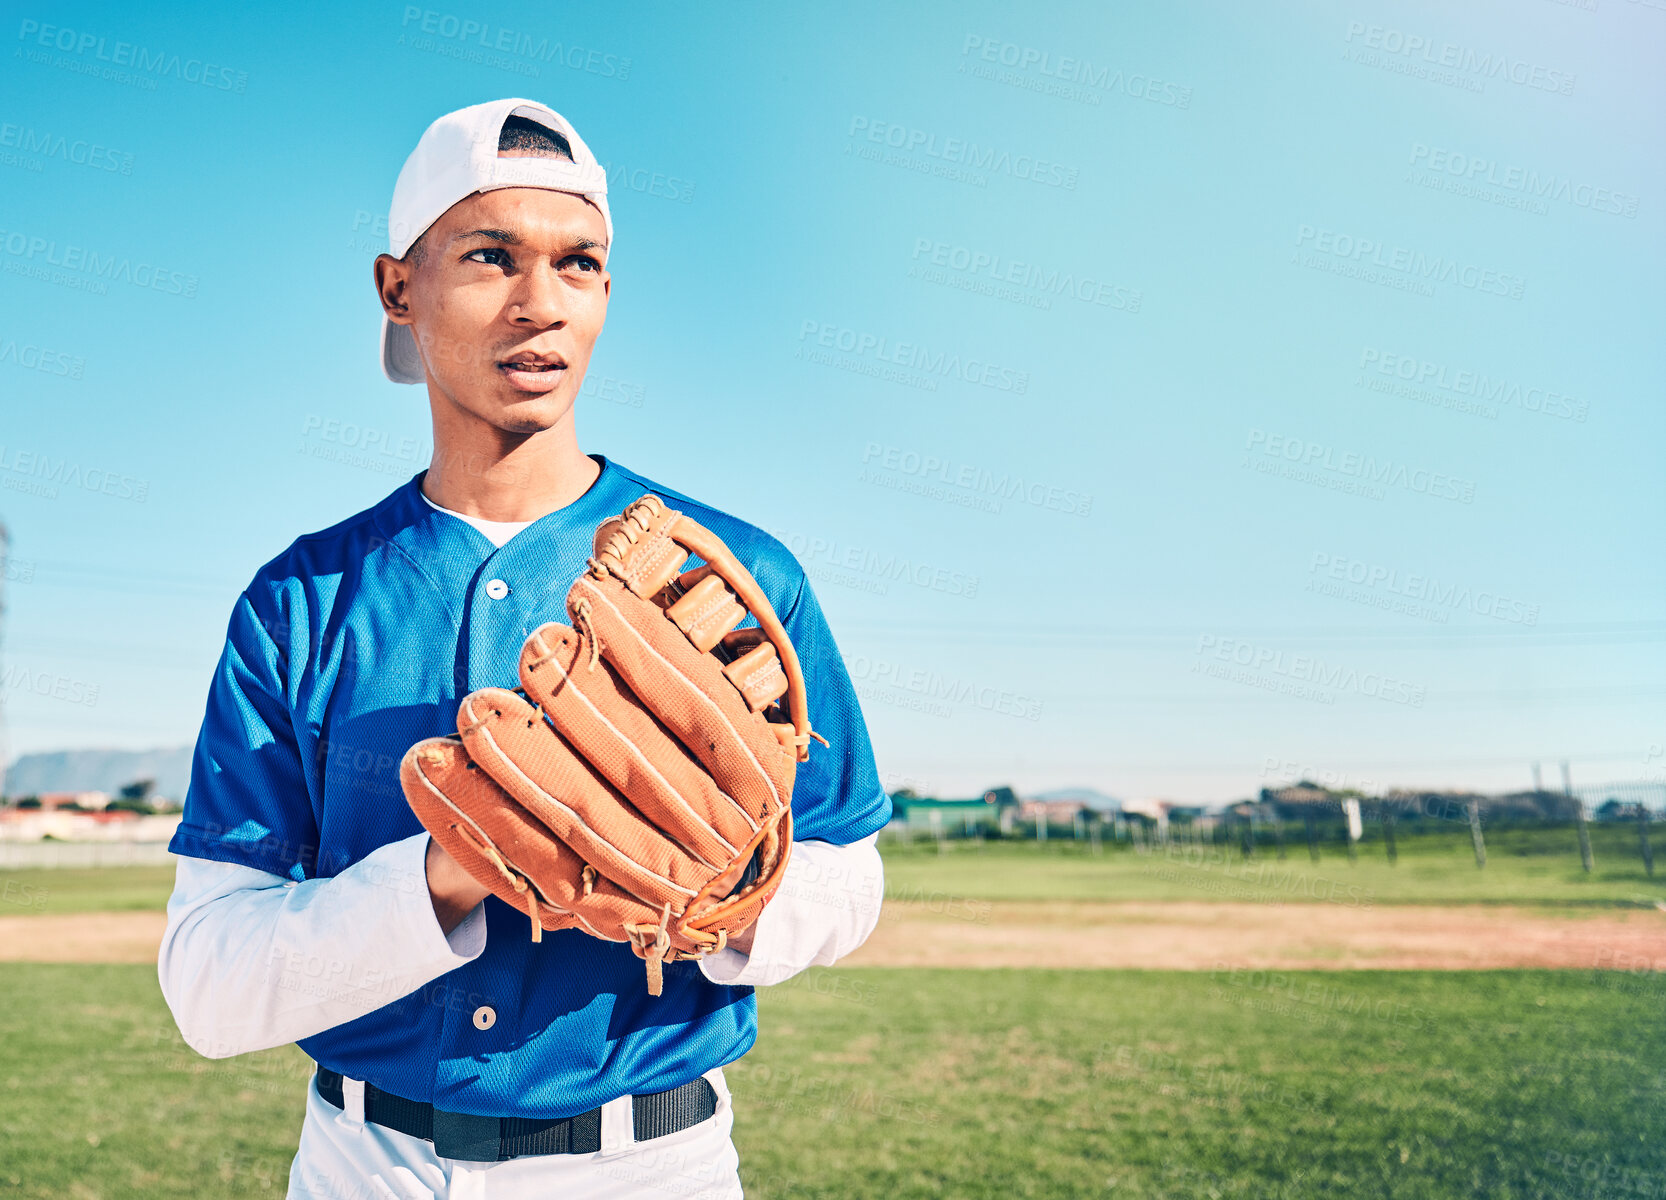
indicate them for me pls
(458, 156)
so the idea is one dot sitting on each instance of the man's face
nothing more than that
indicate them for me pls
(510, 274)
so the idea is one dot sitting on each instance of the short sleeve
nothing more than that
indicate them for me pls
(837, 795)
(248, 801)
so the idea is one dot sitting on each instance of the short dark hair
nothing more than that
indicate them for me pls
(518, 133)
(523, 133)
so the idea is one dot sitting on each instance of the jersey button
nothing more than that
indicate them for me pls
(485, 1017)
(497, 589)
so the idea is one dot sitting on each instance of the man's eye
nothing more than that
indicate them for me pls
(584, 260)
(488, 250)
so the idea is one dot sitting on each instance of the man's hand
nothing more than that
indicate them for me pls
(454, 893)
(453, 890)
(742, 941)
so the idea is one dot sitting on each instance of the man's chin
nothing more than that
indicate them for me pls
(514, 411)
(529, 418)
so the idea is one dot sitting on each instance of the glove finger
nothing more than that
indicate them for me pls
(682, 686)
(633, 752)
(705, 609)
(511, 741)
(469, 815)
(754, 668)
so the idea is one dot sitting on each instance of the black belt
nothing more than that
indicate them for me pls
(493, 1139)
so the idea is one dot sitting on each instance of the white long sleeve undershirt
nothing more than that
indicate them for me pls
(251, 960)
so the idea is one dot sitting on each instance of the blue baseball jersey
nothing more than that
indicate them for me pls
(362, 639)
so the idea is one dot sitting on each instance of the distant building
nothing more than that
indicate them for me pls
(65, 824)
(915, 812)
(1001, 807)
(1149, 807)
(1090, 799)
(1053, 811)
(949, 815)
(1539, 805)
(1301, 800)
(1614, 809)
(1454, 806)
(53, 801)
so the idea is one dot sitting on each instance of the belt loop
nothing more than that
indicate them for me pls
(618, 1125)
(352, 1100)
(720, 1085)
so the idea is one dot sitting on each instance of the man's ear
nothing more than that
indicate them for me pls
(392, 278)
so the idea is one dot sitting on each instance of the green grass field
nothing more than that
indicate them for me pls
(85, 889)
(904, 1083)
(1523, 867)
(956, 1083)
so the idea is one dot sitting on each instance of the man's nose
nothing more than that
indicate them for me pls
(540, 298)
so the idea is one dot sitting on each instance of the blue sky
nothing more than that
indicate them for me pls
(1170, 399)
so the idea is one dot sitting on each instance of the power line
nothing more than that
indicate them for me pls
(1578, 693)
(1572, 633)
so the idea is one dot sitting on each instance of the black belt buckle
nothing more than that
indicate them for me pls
(467, 1136)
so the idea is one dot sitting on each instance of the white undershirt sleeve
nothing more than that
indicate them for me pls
(250, 960)
(827, 906)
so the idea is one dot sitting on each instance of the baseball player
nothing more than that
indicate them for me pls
(456, 1056)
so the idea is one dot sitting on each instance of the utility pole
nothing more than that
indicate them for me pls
(1356, 825)
(1643, 836)
(5, 748)
(1475, 838)
(1579, 815)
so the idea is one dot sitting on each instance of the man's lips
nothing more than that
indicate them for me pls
(532, 364)
(532, 373)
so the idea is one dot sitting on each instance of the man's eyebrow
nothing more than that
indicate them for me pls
(497, 235)
(510, 238)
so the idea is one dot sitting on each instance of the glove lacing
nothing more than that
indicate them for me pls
(653, 954)
(581, 618)
(624, 537)
(490, 854)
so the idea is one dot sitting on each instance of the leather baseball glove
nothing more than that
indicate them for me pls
(638, 783)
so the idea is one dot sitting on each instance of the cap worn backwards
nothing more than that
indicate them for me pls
(458, 156)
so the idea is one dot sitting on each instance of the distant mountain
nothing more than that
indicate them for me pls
(100, 771)
(1080, 795)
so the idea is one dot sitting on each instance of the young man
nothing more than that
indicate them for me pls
(456, 1057)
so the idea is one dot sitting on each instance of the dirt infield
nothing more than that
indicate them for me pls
(1197, 935)
(1183, 936)
(119, 937)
